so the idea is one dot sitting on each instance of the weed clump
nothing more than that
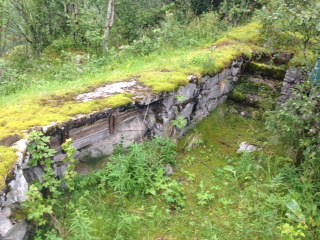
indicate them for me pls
(141, 169)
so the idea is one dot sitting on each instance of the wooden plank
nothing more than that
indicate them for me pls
(90, 139)
(127, 116)
(112, 124)
(84, 131)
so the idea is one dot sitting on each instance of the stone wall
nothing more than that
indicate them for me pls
(98, 133)
(291, 80)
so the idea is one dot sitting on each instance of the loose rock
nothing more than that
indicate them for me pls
(246, 147)
(5, 224)
(168, 170)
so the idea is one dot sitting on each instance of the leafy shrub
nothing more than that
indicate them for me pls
(173, 195)
(11, 81)
(43, 194)
(204, 196)
(59, 45)
(297, 123)
(140, 168)
(180, 122)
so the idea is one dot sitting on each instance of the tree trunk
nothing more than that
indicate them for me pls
(108, 26)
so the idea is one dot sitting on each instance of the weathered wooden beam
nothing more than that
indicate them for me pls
(79, 133)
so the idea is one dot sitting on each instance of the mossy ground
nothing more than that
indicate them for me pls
(152, 217)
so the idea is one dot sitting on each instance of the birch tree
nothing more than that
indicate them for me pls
(108, 26)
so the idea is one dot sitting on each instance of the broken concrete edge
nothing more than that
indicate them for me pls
(151, 117)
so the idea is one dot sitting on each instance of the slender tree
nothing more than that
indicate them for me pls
(108, 26)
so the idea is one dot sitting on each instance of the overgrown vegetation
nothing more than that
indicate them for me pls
(51, 51)
(141, 170)
(213, 194)
(44, 193)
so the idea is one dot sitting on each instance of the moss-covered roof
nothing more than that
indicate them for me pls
(163, 75)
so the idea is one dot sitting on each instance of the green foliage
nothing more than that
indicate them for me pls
(174, 195)
(43, 194)
(49, 235)
(193, 141)
(40, 150)
(125, 226)
(37, 207)
(141, 168)
(201, 6)
(293, 23)
(180, 122)
(266, 187)
(238, 11)
(204, 196)
(70, 174)
(81, 225)
(180, 99)
(297, 124)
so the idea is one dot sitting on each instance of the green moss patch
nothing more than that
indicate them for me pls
(163, 81)
(265, 70)
(256, 92)
(8, 159)
(21, 117)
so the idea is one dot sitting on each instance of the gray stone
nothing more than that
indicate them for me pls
(168, 102)
(60, 170)
(199, 115)
(18, 189)
(21, 149)
(7, 212)
(246, 147)
(33, 174)
(168, 170)
(211, 104)
(111, 89)
(215, 92)
(235, 68)
(291, 80)
(5, 224)
(17, 232)
(224, 74)
(188, 92)
(209, 83)
(292, 76)
(192, 79)
(226, 86)
(187, 111)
